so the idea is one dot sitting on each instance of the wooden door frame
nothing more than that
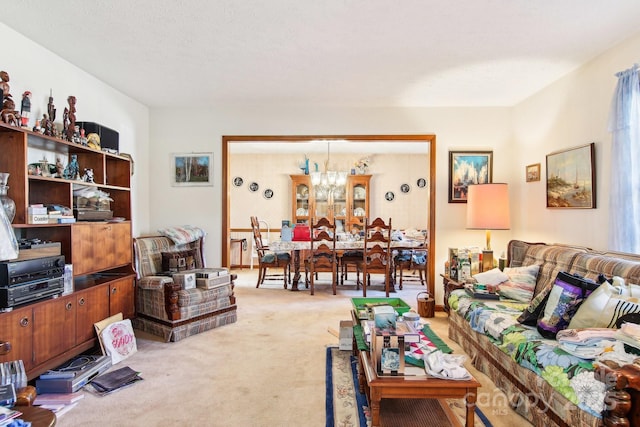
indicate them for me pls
(427, 138)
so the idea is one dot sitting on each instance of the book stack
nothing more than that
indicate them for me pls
(60, 215)
(37, 214)
(59, 403)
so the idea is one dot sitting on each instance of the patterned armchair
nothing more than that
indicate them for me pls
(163, 307)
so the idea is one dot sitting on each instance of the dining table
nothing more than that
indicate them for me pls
(295, 247)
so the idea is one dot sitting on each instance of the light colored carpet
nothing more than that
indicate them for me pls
(267, 369)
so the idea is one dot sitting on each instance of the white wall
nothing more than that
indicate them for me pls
(455, 128)
(571, 112)
(38, 70)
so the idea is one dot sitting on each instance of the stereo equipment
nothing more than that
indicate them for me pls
(109, 138)
(30, 270)
(30, 280)
(73, 375)
(14, 296)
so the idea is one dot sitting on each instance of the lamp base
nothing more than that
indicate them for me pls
(487, 260)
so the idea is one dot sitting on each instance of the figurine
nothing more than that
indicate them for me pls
(72, 171)
(88, 175)
(4, 84)
(70, 119)
(9, 114)
(59, 168)
(25, 109)
(47, 125)
(51, 109)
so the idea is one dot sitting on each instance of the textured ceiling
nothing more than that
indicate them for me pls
(327, 53)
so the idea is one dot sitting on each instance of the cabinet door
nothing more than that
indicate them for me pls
(358, 189)
(92, 305)
(121, 297)
(16, 327)
(301, 199)
(54, 328)
(100, 246)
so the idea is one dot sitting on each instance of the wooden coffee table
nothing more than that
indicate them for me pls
(378, 388)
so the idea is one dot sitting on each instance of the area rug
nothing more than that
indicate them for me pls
(347, 407)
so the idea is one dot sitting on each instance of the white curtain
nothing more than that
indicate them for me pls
(624, 123)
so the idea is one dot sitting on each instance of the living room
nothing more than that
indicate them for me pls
(570, 110)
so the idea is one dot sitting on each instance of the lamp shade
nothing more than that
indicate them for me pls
(488, 207)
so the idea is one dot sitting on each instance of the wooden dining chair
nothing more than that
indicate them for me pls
(376, 257)
(270, 260)
(412, 260)
(322, 255)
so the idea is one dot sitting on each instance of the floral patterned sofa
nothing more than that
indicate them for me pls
(163, 307)
(545, 384)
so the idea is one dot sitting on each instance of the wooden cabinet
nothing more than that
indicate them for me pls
(100, 246)
(16, 327)
(121, 294)
(45, 334)
(54, 328)
(348, 206)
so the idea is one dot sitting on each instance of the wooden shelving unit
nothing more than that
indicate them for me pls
(45, 334)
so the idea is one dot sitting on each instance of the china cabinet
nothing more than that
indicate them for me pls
(348, 206)
(46, 333)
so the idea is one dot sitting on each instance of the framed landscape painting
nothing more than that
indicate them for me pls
(192, 169)
(571, 177)
(465, 168)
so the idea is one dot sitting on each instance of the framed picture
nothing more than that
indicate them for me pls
(421, 182)
(267, 194)
(238, 181)
(192, 169)
(405, 188)
(571, 178)
(465, 168)
(533, 172)
(389, 196)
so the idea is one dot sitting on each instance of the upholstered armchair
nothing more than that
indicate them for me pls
(163, 306)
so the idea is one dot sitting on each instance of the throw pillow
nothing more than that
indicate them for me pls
(566, 295)
(175, 261)
(607, 304)
(182, 235)
(521, 283)
(491, 277)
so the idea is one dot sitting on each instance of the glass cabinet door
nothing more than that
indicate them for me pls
(301, 203)
(358, 202)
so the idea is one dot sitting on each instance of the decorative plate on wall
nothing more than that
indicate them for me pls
(268, 193)
(389, 196)
(254, 187)
(405, 188)
(238, 181)
(421, 182)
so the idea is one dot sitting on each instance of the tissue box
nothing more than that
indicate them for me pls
(185, 280)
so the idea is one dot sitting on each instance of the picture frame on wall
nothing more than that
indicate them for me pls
(571, 178)
(192, 169)
(533, 172)
(466, 168)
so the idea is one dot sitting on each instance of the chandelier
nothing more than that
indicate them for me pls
(329, 181)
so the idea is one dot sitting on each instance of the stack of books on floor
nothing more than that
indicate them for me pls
(59, 403)
(7, 415)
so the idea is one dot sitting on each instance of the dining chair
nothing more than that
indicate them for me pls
(322, 255)
(412, 260)
(270, 260)
(376, 257)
